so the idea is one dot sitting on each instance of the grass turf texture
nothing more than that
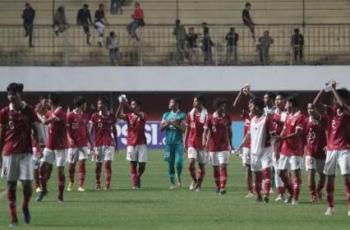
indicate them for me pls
(155, 207)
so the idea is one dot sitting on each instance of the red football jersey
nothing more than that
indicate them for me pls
(219, 139)
(17, 129)
(337, 138)
(136, 129)
(196, 128)
(77, 123)
(293, 146)
(278, 119)
(57, 130)
(316, 139)
(103, 126)
(246, 127)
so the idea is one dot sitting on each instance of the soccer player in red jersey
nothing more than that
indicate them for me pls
(105, 141)
(338, 143)
(261, 132)
(79, 142)
(17, 121)
(41, 107)
(195, 121)
(56, 146)
(279, 117)
(316, 141)
(245, 146)
(136, 152)
(217, 139)
(292, 149)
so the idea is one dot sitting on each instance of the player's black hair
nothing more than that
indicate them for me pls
(293, 99)
(271, 95)
(200, 98)
(55, 98)
(104, 100)
(296, 30)
(281, 94)
(78, 101)
(138, 102)
(218, 102)
(343, 93)
(15, 88)
(258, 102)
(248, 4)
(177, 100)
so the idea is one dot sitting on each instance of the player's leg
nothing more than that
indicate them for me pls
(202, 160)
(223, 160)
(142, 159)
(71, 159)
(283, 166)
(83, 155)
(344, 166)
(179, 162)
(131, 153)
(266, 174)
(27, 195)
(321, 180)
(170, 151)
(258, 185)
(277, 179)
(99, 156)
(347, 189)
(26, 177)
(45, 172)
(133, 173)
(108, 174)
(60, 163)
(11, 196)
(192, 156)
(296, 185)
(248, 172)
(109, 155)
(329, 170)
(310, 166)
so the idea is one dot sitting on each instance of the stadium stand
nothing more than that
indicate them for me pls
(326, 31)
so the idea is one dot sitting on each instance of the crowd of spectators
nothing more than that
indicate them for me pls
(190, 45)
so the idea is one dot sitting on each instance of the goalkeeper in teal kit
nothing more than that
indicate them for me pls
(173, 123)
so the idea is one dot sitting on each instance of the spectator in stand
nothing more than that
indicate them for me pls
(207, 45)
(247, 19)
(60, 21)
(297, 45)
(28, 16)
(204, 27)
(112, 45)
(180, 36)
(100, 22)
(191, 39)
(231, 47)
(84, 20)
(116, 5)
(263, 47)
(137, 21)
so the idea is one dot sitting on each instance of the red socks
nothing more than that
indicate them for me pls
(267, 181)
(108, 174)
(98, 173)
(192, 170)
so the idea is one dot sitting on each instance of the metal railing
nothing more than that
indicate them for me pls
(324, 44)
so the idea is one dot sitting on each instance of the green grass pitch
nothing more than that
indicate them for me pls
(155, 207)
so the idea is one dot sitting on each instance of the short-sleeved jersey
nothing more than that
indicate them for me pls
(195, 126)
(316, 141)
(77, 123)
(337, 137)
(219, 139)
(293, 146)
(246, 126)
(103, 127)
(260, 132)
(57, 130)
(173, 135)
(17, 129)
(136, 129)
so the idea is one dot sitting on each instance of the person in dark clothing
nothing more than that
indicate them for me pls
(263, 47)
(100, 22)
(60, 21)
(247, 19)
(116, 5)
(297, 43)
(191, 45)
(180, 36)
(84, 20)
(231, 47)
(28, 17)
(207, 45)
